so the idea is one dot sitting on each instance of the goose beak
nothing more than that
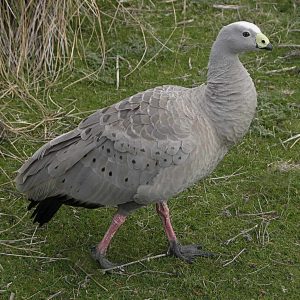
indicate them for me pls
(268, 47)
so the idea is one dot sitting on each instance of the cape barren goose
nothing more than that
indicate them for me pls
(150, 146)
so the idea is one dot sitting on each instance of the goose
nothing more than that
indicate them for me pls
(149, 147)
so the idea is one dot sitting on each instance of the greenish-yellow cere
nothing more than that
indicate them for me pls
(261, 40)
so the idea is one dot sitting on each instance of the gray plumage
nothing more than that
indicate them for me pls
(150, 146)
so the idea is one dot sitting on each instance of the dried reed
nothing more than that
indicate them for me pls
(38, 39)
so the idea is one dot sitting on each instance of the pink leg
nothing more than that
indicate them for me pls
(117, 221)
(185, 252)
(163, 211)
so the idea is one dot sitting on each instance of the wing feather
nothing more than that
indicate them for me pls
(114, 150)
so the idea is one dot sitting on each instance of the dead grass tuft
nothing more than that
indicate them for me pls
(286, 166)
(38, 40)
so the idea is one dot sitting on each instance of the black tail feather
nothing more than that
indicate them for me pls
(45, 209)
(32, 204)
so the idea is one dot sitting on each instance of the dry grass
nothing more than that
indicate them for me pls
(38, 41)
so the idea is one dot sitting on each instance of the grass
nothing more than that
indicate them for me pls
(247, 210)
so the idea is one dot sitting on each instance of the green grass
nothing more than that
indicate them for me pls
(261, 195)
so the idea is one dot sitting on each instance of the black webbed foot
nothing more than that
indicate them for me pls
(104, 262)
(188, 252)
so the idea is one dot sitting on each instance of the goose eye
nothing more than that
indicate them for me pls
(246, 34)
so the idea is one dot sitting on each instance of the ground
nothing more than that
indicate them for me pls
(247, 210)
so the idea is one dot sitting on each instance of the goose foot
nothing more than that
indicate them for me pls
(188, 252)
(104, 262)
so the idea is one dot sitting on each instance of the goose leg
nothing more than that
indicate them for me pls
(188, 252)
(99, 251)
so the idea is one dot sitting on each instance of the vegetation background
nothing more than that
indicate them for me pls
(61, 60)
